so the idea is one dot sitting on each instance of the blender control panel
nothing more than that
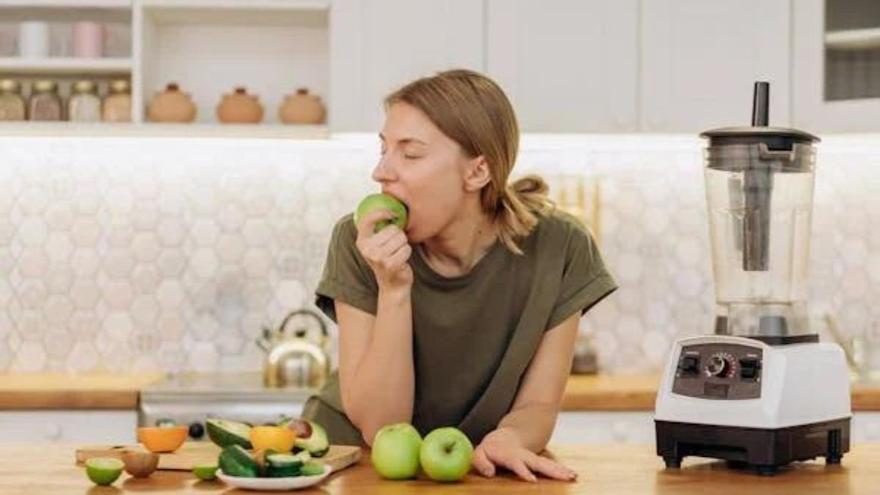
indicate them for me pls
(719, 371)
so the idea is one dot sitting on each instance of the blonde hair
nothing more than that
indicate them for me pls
(473, 111)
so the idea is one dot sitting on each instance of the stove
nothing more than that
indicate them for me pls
(191, 398)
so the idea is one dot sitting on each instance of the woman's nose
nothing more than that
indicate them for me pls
(384, 171)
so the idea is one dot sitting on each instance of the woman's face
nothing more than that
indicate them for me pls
(423, 168)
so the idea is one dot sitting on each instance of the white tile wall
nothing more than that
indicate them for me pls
(131, 254)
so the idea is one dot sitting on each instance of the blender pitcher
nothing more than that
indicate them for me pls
(759, 192)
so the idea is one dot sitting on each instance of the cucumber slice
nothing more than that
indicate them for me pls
(283, 465)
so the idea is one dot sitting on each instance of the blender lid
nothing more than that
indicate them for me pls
(737, 133)
(759, 131)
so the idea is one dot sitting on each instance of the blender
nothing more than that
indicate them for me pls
(763, 391)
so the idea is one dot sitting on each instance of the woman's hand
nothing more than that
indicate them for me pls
(387, 251)
(502, 448)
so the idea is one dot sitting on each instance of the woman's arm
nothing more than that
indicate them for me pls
(526, 429)
(377, 380)
(533, 414)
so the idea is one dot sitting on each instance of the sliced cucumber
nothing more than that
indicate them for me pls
(283, 465)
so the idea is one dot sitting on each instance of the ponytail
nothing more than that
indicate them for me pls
(519, 207)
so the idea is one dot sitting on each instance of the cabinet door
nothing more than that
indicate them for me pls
(854, 63)
(567, 65)
(88, 427)
(700, 59)
(379, 45)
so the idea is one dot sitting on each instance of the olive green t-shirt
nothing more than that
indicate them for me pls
(473, 335)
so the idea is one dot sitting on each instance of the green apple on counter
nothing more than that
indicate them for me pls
(446, 454)
(381, 201)
(395, 453)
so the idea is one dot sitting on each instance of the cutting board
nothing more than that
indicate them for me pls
(193, 453)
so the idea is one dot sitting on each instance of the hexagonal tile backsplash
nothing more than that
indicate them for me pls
(170, 254)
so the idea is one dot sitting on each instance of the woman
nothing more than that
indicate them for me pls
(468, 317)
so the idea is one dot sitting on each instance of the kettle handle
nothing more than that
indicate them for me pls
(306, 312)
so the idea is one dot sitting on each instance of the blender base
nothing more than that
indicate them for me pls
(764, 449)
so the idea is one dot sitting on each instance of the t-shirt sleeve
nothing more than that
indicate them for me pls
(585, 279)
(346, 276)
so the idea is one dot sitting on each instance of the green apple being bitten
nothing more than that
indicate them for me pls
(381, 201)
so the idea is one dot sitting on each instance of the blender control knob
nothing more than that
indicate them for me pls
(196, 430)
(717, 366)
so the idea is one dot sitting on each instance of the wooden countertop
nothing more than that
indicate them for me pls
(610, 392)
(49, 469)
(64, 391)
(120, 391)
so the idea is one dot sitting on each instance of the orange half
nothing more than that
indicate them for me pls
(162, 438)
(277, 438)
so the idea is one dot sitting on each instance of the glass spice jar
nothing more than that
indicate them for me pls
(12, 104)
(84, 104)
(117, 104)
(44, 103)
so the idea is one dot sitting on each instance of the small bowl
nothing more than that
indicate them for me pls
(140, 464)
(160, 439)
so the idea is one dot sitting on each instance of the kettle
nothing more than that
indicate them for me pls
(298, 359)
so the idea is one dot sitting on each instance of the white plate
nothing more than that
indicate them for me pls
(287, 483)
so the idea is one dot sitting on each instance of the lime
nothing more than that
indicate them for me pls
(205, 472)
(104, 470)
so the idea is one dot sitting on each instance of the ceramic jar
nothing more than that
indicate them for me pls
(33, 39)
(240, 108)
(171, 105)
(302, 108)
(88, 39)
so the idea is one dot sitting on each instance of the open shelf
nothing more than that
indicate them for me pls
(270, 47)
(101, 129)
(66, 66)
(207, 47)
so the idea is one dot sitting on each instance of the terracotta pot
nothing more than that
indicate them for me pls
(302, 108)
(171, 105)
(239, 108)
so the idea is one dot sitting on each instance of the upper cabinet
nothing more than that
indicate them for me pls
(379, 45)
(699, 60)
(836, 65)
(567, 65)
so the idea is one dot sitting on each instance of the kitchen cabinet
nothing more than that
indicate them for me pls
(379, 45)
(87, 426)
(567, 65)
(836, 65)
(699, 60)
(271, 47)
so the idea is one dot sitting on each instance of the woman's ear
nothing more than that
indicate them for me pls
(476, 174)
